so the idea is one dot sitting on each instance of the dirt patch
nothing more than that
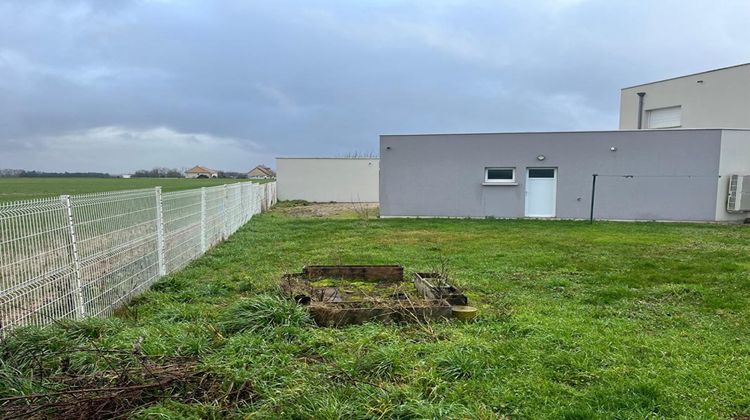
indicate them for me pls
(369, 210)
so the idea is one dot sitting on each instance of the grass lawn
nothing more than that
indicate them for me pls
(611, 320)
(12, 189)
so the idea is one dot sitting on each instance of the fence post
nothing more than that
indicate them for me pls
(265, 198)
(249, 207)
(203, 220)
(160, 232)
(243, 200)
(256, 199)
(80, 308)
(224, 213)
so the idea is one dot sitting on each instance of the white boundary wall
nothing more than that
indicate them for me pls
(75, 256)
(343, 180)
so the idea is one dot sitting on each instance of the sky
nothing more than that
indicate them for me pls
(119, 85)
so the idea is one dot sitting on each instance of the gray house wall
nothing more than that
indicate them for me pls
(675, 173)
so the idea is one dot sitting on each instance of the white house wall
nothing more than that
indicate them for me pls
(733, 160)
(342, 180)
(713, 99)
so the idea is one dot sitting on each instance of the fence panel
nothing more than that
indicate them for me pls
(234, 208)
(182, 228)
(84, 255)
(214, 215)
(116, 234)
(37, 275)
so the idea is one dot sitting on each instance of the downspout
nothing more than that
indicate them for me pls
(640, 109)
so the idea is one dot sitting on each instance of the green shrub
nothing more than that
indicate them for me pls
(263, 312)
(91, 328)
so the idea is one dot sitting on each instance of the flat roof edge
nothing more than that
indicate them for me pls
(319, 157)
(566, 132)
(687, 75)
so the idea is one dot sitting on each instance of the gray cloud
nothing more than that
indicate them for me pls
(251, 80)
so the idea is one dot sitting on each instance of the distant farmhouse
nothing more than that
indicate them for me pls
(261, 172)
(201, 172)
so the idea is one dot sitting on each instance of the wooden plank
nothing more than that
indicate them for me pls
(348, 313)
(432, 286)
(361, 272)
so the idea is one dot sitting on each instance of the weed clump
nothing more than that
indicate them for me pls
(263, 312)
(291, 203)
(39, 346)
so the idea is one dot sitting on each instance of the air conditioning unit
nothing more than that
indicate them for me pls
(738, 200)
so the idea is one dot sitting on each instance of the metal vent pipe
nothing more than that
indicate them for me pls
(640, 109)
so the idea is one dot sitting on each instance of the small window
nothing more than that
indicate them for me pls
(500, 175)
(542, 173)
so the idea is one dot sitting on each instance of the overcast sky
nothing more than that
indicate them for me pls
(110, 85)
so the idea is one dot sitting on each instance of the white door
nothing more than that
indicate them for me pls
(541, 192)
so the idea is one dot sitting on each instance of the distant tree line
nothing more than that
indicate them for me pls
(179, 173)
(21, 173)
(141, 173)
(158, 173)
(357, 154)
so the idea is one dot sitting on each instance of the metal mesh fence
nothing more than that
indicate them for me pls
(183, 233)
(85, 255)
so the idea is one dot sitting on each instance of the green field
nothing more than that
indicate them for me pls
(12, 189)
(610, 320)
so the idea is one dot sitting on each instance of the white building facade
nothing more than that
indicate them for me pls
(342, 180)
(712, 99)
